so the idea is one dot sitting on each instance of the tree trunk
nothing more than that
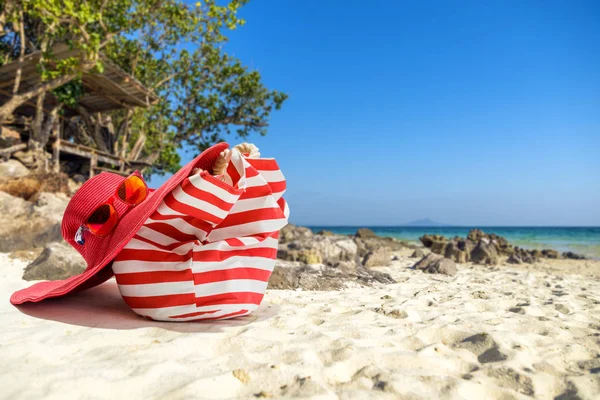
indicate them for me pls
(137, 148)
(40, 133)
(21, 53)
(98, 136)
(16, 101)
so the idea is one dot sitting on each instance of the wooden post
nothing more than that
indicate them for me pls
(56, 147)
(93, 164)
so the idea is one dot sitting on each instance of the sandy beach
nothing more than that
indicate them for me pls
(500, 332)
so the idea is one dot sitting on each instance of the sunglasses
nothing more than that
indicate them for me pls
(132, 191)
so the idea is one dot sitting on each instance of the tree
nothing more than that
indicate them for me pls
(173, 48)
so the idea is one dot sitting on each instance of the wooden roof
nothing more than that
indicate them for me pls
(110, 90)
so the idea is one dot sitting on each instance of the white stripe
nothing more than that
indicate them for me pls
(240, 164)
(155, 236)
(263, 263)
(278, 195)
(221, 245)
(286, 210)
(248, 229)
(163, 314)
(272, 176)
(136, 244)
(230, 286)
(206, 185)
(181, 310)
(157, 289)
(165, 210)
(181, 225)
(129, 266)
(254, 204)
(198, 204)
(256, 181)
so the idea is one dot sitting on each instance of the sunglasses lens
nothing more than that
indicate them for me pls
(103, 220)
(132, 191)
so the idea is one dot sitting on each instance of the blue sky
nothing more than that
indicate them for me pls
(466, 112)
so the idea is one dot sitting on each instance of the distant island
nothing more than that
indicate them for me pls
(425, 222)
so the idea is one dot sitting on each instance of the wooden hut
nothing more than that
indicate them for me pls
(110, 90)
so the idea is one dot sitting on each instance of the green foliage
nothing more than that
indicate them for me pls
(174, 48)
(69, 93)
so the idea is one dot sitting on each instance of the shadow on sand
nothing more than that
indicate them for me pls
(103, 307)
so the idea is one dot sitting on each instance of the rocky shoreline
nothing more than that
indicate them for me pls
(311, 261)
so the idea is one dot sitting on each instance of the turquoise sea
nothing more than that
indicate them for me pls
(584, 241)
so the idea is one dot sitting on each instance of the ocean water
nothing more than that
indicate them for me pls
(583, 240)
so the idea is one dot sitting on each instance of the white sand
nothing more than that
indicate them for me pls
(351, 344)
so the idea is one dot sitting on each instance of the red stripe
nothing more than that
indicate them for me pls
(171, 231)
(262, 214)
(218, 182)
(210, 312)
(233, 314)
(170, 300)
(203, 195)
(277, 187)
(264, 190)
(220, 255)
(234, 242)
(230, 274)
(263, 164)
(152, 255)
(230, 298)
(251, 172)
(233, 173)
(170, 247)
(189, 210)
(194, 314)
(141, 278)
(204, 226)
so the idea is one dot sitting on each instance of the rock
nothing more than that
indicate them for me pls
(562, 308)
(286, 275)
(28, 233)
(318, 249)
(378, 258)
(11, 206)
(418, 253)
(514, 259)
(57, 261)
(454, 253)
(25, 226)
(294, 275)
(551, 253)
(52, 206)
(292, 232)
(8, 137)
(325, 233)
(367, 245)
(428, 240)
(365, 233)
(13, 169)
(484, 347)
(27, 187)
(484, 253)
(25, 157)
(573, 256)
(433, 263)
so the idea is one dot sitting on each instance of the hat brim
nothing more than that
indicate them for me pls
(125, 230)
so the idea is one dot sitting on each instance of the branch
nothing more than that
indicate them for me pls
(21, 54)
(168, 78)
(16, 101)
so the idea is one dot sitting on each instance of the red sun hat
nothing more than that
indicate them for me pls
(99, 252)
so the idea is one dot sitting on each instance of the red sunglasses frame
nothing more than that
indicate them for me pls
(109, 202)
